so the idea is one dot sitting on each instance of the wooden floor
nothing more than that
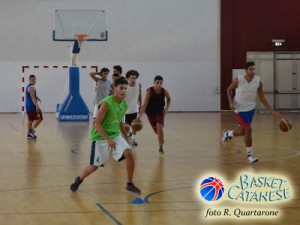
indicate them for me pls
(35, 175)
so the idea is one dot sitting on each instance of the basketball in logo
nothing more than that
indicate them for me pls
(211, 189)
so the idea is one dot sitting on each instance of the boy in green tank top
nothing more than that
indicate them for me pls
(108, 136)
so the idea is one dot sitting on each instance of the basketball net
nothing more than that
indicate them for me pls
(80, 38)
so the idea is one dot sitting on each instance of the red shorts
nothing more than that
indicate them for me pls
(34, 116)
(157, 118)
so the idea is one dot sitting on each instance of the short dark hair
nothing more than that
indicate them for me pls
(118, 67)
(132, 72)
(248, 64)
(104, 69)
(158, 77)
(31, 76)
(119, 81)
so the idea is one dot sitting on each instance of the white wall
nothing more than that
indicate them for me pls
(177, 39)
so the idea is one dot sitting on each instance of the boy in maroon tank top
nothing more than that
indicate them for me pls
(154, 106)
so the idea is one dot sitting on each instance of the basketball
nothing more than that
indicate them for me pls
(285, 125)
(126, 127)
(137, 124)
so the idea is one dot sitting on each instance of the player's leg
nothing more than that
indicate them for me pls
(160, 135)
(124, 151)
(36, 123)
(129, 164)
(99, 155)
(152, 122)
(30, 135)
(239, 131)
(130, 118)
(248, 136)
(38, 120)
(159, 118)
(31, 117)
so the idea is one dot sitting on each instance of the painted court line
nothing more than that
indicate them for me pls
(13, 127)
(109, 214)
(146, 201)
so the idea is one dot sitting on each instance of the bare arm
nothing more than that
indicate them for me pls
(168, 101)
(140, 97)
(97, 125)
(123, 132)
(33, 98)
(230, 90)
(93, 76)
(146, 101)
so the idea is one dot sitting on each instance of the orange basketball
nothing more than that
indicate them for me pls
(126, 127)
(285, 125)
(137, 124)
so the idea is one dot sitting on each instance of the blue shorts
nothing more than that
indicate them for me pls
(245, 118)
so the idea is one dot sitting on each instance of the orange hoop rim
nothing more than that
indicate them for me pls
(81, 37)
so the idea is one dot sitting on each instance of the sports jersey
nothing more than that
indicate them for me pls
(112, 119)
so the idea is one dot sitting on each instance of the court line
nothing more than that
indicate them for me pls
(109, 214)
(75, 151)
(146, 199)
(12, 126)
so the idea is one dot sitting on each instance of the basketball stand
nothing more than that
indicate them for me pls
(77, 26)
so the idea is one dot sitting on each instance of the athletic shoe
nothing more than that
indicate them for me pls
(225, 138)
(252, 159)
(161, 150)
(30, 135)
(131, 187)
(33, 133)
(133, 143)
(75, 185)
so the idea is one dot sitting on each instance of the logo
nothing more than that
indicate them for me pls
(259, 193)
(252, 188)
(211, 189)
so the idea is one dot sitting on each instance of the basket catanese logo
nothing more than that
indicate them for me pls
(260, 189)
(248, 188)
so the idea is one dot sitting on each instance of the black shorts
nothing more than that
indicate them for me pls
(130, 117)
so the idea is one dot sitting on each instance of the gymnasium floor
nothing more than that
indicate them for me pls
(35, 175)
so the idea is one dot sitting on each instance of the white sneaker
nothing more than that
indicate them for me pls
(225, 138)
(252, 159)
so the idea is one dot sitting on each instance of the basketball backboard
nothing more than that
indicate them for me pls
(70, 23)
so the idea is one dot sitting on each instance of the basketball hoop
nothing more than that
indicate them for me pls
(81, 37)
(77, 45)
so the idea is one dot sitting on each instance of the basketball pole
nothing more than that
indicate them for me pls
(74, 108)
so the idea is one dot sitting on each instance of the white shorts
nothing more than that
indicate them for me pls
(95, 111)
(100, 152)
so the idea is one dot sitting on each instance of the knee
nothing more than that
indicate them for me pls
(159, 127)
(248, 130)
(128, 154)
(93, 168)
(242, 132)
